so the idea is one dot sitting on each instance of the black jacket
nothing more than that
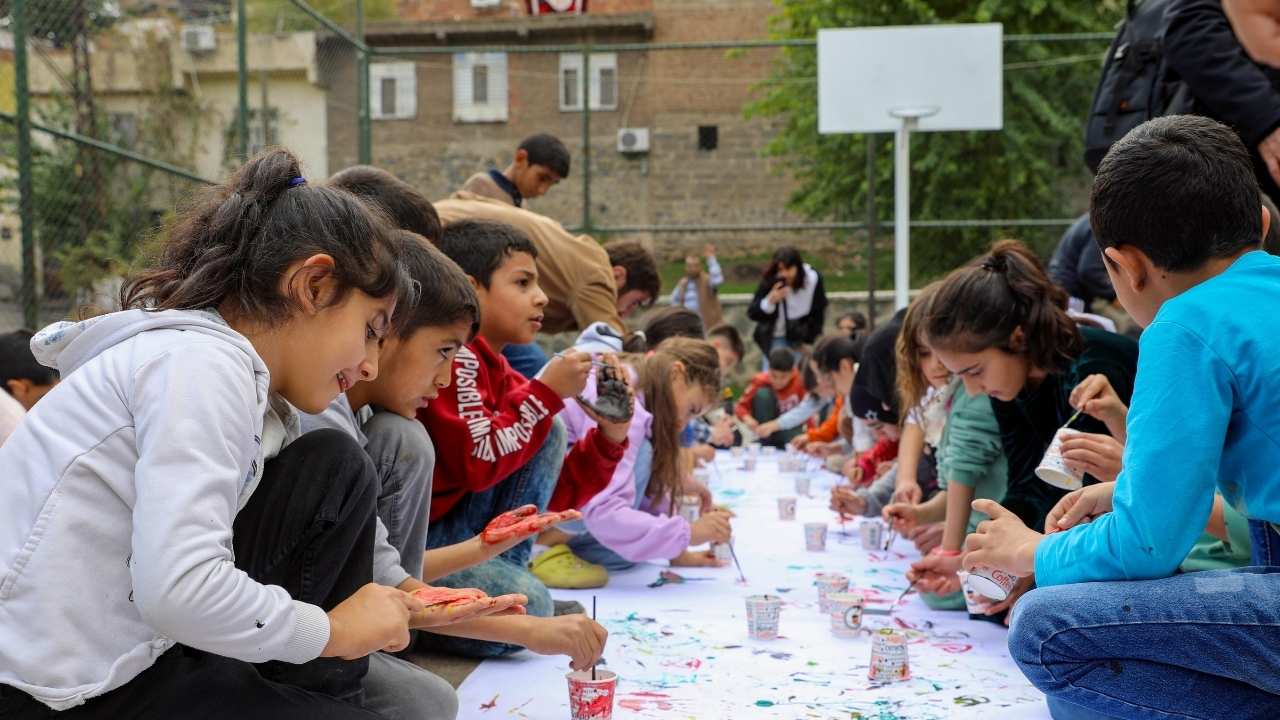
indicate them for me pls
(801, 330)
(1201, 49)
(1077, 265)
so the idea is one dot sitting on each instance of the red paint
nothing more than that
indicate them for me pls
(490, 705)
(591, 700)
(954, 648)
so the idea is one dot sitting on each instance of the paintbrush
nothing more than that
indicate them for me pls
(1073, 418)
(594, 360)
(593, 617)
(734, 554)
(904, 594)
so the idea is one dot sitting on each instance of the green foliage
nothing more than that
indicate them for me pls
(57, 21)
(1030, 169)
(284, 16)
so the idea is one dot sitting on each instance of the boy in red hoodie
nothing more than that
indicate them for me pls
(772, 393)
(498, 443)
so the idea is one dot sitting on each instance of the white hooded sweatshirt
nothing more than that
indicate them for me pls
(117, 496)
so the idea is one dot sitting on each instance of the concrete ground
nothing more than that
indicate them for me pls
(450, 667)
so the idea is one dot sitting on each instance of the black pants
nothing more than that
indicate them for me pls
(309, 528)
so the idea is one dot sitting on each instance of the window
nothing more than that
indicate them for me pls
(604, 81)
(480, 87)
(6, 233)
(393, 91)
(708, 137)
(124, 129)
(264, 129)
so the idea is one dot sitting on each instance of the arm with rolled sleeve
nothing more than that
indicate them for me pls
(715, 275)
(191, 407)
(1182, 403)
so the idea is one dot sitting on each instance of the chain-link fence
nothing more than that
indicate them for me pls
(675, 141)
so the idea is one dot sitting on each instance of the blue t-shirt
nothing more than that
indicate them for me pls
(1205, 414)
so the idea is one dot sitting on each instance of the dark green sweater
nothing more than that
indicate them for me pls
(1028, 422)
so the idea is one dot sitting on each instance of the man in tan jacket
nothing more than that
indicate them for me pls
(540, 162)
(584, 281)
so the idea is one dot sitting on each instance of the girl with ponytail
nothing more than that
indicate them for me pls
(146, 477)
(1001, 326)
(634, 519)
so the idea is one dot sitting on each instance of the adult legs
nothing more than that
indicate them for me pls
(527, 360)
(396, 689)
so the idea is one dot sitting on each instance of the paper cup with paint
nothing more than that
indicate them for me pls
(815, 536)
(749, 464)
(721, 552)
(992, 583)
(786, 508)
(889, 661)
(973, 602)
(871, 533)
(591, 699)
(802, 484)
(845, 611)
(690, 507)
(770, 451)
(1053, 467)
(828, 583)
(762, 616)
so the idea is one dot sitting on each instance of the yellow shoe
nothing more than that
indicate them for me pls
(560, 568)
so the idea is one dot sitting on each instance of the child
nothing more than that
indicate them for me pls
(851, 324)
(1111, 629)
(267, 290)
(805, 416)
(634, 519)
(728, 344)
(540, 162)
(1001, 325)
(23, 380)
(789, 306)
(499, 444)
(415, 361)
(696, 291)
(770, 394)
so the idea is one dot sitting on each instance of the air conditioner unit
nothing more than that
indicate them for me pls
(199, 39)
(483, 4)
(633, 140)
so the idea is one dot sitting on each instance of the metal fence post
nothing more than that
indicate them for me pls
(363, 116)
(29, 296)
(871, 231)
(586, 138)
(242, 80)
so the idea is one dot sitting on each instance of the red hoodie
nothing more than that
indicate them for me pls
(788, 397)
(491, 421)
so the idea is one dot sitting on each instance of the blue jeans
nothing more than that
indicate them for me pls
(587, 547)
(526, 359)
(1200, 645)
(507, 573)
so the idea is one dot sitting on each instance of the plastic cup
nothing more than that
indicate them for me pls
(871, 533)
(815, 536)
(828, 583)
(889, 657)
(1053, 468)
(786, 508)
(845, 611)
(591, 699)
(992, 583)
(690, 508)
(762, 616)
(802, 485)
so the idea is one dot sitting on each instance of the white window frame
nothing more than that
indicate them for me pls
(465, 109)
(599, 62)
(405, 75)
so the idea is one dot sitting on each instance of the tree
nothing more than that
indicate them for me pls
(283, 15)
(1028, 170)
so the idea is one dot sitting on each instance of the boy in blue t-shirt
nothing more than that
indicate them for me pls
(1111, 631)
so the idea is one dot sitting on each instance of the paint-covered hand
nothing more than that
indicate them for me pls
(375, 617)
(936, 573)
(846, 502)
(513, 526)
(1101, 456)
(446, 606)
(1003, 542)
(1095, 397)
(1020, 588)
(576, 635)
(1079, 506)
(613, 415)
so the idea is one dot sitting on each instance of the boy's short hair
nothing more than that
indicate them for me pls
(730, 335)
(17, 362)
(642, 269)
(1179, 188)
(1271, 241)
(446, 297)
(407, 208)
(782, 359)
(857, 317)
(547, 151)
(480, 247)
(673, 321)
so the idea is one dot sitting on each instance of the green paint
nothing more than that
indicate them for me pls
(811, 663)
(764, 703)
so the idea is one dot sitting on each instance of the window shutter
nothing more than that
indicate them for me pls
(393, 91)
(480, 87)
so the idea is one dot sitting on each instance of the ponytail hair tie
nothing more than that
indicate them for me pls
(995, 264)
(295, 182)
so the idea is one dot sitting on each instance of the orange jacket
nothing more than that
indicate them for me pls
(829, 430)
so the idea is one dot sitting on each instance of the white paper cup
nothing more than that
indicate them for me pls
(815, 536)
(845, 611)
(871, 533)
(973, 602)
(802, 485)
(763, 612)
(749, 464)
(690, 508)
(786, 508)
(992, 583)
(1053, 468)
(722, 552)
(828, 583)
(591, 699)
(736, 451)
(889, 661)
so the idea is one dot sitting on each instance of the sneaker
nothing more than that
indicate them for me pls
(560, 568)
